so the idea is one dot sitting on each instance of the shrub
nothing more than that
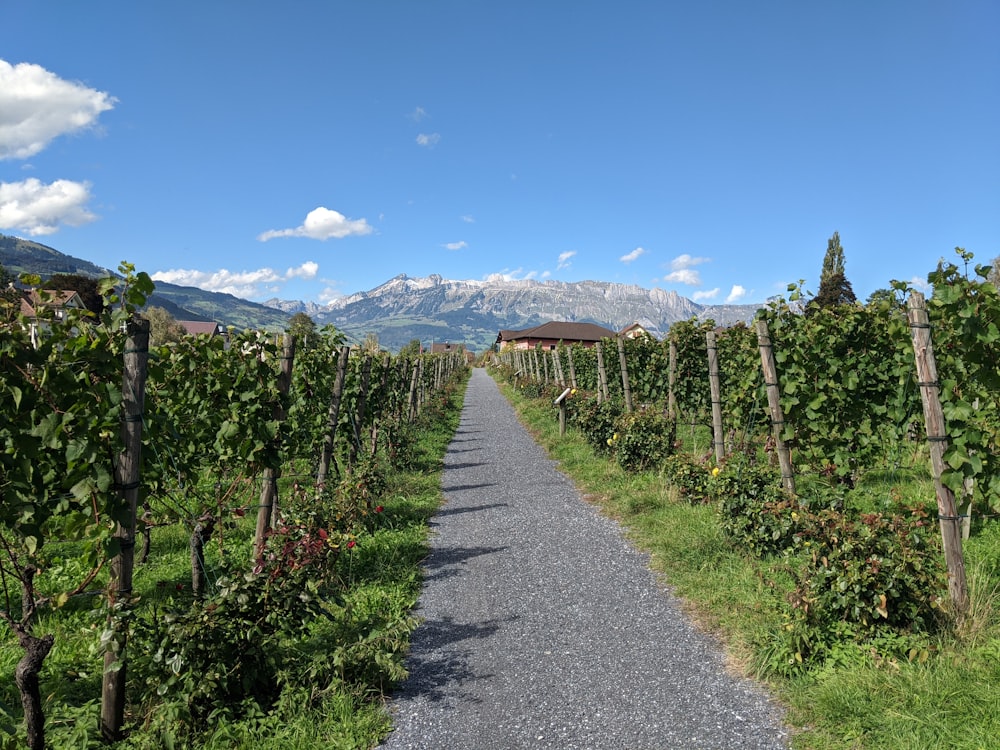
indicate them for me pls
(756, 513)
(597, 422)
(875, 571)
(643, 439)
(691, 477)
(875, 579)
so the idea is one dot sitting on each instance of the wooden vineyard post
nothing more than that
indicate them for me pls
(360, 409)
(672, 380)
(332, 417)
(269, 492)
(572, 370)
(387, 368)
(545, 366)
(937, 442)
(602, 375)
(561, 403)
(713, 379)
(136, 356)
(626, 387)
(774, 402)
(413, 410)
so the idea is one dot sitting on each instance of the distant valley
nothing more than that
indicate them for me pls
(431, 309)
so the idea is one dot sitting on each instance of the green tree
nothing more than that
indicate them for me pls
(994, 274)
(410, 350)
(9, 304)
(163, 327)
(371, 345)
(302, 327)
(834, 288)
(86, 287)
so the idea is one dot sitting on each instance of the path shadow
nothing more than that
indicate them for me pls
(467, 465)
(447, 563)
(460, 487)
(437, 664)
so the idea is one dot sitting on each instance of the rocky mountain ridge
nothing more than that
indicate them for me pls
(473, 311)
(431, 309)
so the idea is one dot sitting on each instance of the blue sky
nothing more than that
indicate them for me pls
(309, 149)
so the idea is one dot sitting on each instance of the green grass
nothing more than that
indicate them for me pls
(343, 668)
(855, 701)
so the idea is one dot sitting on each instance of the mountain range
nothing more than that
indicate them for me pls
(431, 309)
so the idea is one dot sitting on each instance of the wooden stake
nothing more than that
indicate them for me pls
(718, 439)
(774, 402)
(269, 492)
(937, 442)
(136, 356)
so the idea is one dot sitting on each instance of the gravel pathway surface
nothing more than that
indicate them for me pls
(543, 628)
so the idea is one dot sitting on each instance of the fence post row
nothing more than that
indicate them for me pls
(332, 417)
(774, 404)
(135, 359)
(269, 491)
(626, 388)
(602, 375)
(937, 443)
(718, 439)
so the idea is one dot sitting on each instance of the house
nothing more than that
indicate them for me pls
(447, 348)
(49, 304)
(199, 327)
(633, 331)
(549, 335)
(40, 307)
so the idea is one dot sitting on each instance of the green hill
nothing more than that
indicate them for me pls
(19, 256)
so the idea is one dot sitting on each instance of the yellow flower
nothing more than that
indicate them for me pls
(610, 441)
(715, 471)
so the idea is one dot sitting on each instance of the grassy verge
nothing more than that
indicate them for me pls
(334, 677)
(858, 700)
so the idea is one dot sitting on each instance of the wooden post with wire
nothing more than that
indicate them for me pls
(774, 402)
(126, 472)
(269, 491)
(718, 439)
(937, 443)
(626, 386)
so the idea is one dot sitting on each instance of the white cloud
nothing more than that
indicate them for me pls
(36, 209)
(518, 274)
(629, 257)
(418, 114)
(736, 294)
(707, 294)
(682, 262)
(456, 245)
(468, 219)
(683, 276)
(681, 270)
(564, 259)
(322, 224)
(307, 270)
(428, 139)
(238, 283)
(37, 106)
(329, 294)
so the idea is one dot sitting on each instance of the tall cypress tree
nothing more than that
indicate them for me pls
(834, 288)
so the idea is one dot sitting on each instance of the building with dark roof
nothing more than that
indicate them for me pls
(549, 335)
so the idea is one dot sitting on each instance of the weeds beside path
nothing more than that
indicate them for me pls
(542, 626)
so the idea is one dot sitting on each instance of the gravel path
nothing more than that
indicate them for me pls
(543, 628)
